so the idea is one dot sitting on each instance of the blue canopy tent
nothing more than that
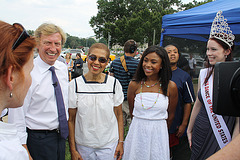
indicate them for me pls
(195, 23)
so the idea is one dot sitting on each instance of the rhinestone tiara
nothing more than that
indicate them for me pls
(221, 31)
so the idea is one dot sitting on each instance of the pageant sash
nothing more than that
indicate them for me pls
(217, 122)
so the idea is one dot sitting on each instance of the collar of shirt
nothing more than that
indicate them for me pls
(43, 66)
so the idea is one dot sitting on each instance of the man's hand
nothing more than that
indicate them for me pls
(181, 130)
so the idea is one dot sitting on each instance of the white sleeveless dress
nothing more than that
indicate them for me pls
(147, 138)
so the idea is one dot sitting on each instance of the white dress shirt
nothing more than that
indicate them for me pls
(39, 111)
(10, 145)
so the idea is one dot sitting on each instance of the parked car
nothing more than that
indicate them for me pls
(186, 55)
(236, 59)
(199, 66)
(73, 53)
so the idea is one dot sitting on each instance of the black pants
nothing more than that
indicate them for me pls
(46, 145)
(182, 150)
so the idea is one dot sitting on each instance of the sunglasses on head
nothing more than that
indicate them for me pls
(94, 58)
(22, 36)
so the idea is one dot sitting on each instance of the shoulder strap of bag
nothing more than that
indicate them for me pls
(123, 61)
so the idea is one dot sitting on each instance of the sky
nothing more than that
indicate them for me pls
(72, 16)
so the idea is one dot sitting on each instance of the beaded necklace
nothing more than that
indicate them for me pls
(155, 100)
(148, 85)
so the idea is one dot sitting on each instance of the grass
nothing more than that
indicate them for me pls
(67, 152)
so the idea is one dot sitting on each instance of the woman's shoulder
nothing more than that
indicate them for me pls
(134, 83)
(172, 87)
(134, 86)
(172, 84)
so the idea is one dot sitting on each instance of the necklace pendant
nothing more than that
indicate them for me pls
(149, 86)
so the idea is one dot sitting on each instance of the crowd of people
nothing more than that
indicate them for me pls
(49, 100)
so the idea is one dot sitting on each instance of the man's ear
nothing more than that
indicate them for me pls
(9, 78)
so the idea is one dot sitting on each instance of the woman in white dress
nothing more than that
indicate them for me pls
(95, 111)
(16, 63)
(152, 99)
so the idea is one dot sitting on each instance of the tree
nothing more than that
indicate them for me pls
(103, 40)
(90, 42)
(193, 4)
(30, 32)
(72, 42)
(134, 19)
(75, 42)
(131, 19)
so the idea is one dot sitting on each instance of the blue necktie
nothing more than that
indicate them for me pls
(63, 124)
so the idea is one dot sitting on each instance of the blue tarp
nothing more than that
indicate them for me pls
(196, 22)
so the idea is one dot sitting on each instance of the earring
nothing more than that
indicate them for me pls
(226, 56)
(11, 95)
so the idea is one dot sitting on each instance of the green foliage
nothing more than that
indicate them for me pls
(103, 40)
(193, 4)
(131, 19)
(90, 42)
(134, 19)
(75, 42)
(30, 32)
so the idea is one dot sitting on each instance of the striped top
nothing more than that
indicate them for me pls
(119, 72)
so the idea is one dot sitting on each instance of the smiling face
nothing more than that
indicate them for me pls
(49, 47)
(215, 52)
(152, 64)
(172, 54)
(94, 66)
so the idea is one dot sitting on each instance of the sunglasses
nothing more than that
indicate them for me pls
(22, 36)
(94, 58)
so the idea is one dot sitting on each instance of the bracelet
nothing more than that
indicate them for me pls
(120, 141)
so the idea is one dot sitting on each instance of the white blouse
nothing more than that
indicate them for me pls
(96, 124)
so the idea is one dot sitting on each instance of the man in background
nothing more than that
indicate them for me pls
(123, 69)
(179, 146)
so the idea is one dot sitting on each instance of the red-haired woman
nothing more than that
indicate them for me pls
(16, 63)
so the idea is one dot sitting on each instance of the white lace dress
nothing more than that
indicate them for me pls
(147, 138)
